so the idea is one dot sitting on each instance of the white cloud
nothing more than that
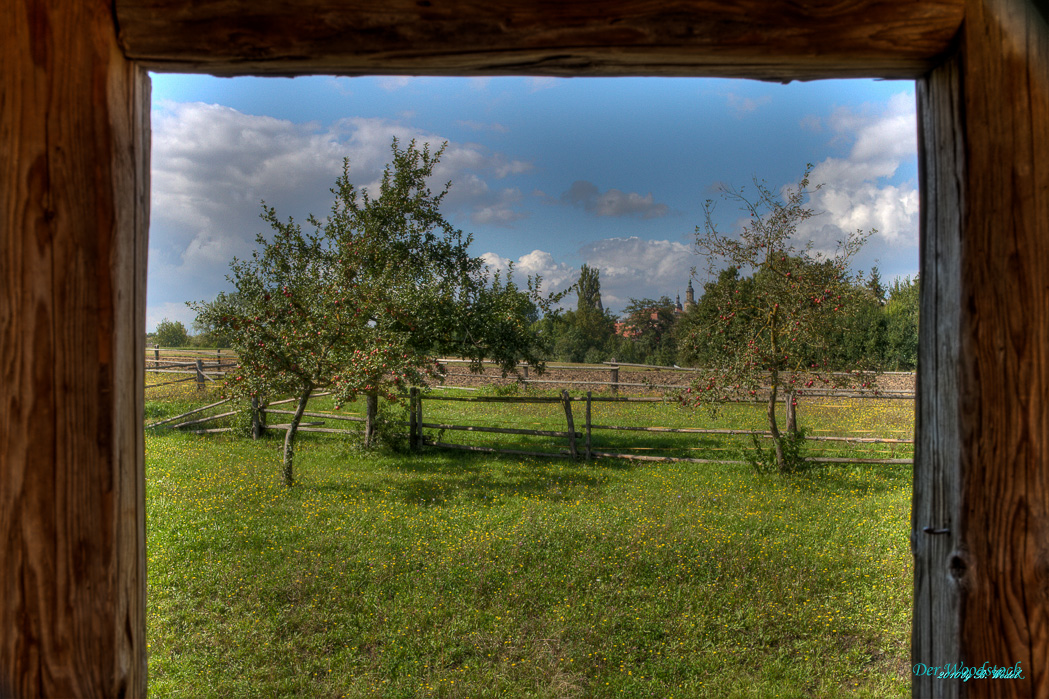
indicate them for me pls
(854, 195)
(612, 202)
(742, 106)
(212, 165)
(637, 268)
(629, 268)
(555, 275)
(393, 82)
(538, 83)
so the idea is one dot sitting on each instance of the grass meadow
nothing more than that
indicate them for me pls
(452, 574)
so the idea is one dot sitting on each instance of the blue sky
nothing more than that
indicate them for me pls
(548, 173)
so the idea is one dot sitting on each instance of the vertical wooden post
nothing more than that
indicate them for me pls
(200, 375)
(156, 356)
(258, 418)
(980, 517)
(413, 419)
(419, 420)
(588, 396)
(371, 409)
(790, 405)
(936, 623)
(1003, 558)
(74, 198)
(524, 380)
(566, 401)
(615, 380)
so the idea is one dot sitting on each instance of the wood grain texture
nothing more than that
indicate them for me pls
(777, 40)
(74, 147)
(937, 451)
(1004, 359)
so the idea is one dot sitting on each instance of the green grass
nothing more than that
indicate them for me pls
(454, 575)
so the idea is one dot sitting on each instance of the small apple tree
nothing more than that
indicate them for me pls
(363, 305)
(770, 333)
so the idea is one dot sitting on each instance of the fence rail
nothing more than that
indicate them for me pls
(418, 439)
(205, 366)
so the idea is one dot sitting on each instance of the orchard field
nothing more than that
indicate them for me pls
(444, 574)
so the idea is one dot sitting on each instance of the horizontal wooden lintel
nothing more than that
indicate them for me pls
(776, 40)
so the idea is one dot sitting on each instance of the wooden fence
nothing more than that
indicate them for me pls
(201, 366)
(258, 417)
(574, 449)
(614, 383)
(204, 366)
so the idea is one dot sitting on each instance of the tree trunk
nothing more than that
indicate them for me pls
(289, 436)
(777, 438)
(371, 407)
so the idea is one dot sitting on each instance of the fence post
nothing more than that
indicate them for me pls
(419, 420)
(200, 375)
(588, 425)
(792, 417)
(413, 419)
(156, 356)
(524, 380)
(615, 380)
(258, 419)
(567, 402)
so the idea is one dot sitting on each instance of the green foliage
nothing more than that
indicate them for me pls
(875, 286)
(858, 340)
(362, 304)
(585, 334)
(171, 333)
(207, 332)
(778, 334)
(702, 339)
(901, 325)
(589, 289)
(765, 461)
(649, 327)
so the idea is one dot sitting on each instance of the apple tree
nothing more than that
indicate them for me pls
(363, 304)
(771, 332)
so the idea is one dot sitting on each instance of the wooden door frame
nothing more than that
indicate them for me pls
(74, 192)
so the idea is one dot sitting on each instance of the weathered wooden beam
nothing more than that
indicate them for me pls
(981, 500)
(779, 40)
(935, 531)
(74, 196)
(1002, 562)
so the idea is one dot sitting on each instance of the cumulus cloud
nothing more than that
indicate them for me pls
(854, 195)
(637, 268)
(556, 275)
(212, 165)
(612, 202)
(629, 268)
(741, 106)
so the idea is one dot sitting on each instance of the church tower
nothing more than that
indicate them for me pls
(690, 296)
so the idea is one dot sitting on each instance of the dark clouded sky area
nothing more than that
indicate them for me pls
(547, 173)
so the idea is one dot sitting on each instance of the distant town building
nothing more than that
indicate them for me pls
(625, 330)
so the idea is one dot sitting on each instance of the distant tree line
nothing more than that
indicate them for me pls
(173, 333)
(880, 331)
